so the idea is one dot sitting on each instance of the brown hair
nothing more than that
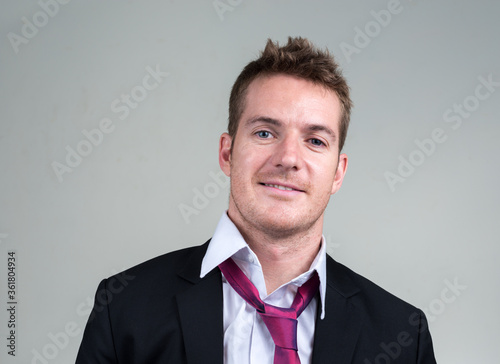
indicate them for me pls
(300, 58)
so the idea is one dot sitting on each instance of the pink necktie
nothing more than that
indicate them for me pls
(281, 322)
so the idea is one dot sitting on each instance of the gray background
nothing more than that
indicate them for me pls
(121, 204)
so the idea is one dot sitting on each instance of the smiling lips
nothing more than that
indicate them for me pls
(281, 187)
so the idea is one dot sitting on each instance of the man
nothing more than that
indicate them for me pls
(263, 289)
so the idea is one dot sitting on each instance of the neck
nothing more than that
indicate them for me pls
(283, 259)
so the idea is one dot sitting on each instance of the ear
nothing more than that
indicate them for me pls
(339, 173)
(225, 153)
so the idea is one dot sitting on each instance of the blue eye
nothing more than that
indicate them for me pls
(263, 134)
(317, 142)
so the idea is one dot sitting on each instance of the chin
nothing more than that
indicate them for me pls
(284, 226)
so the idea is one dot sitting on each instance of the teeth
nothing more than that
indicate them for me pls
(280, 187)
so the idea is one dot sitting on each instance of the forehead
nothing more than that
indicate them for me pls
(291, 99)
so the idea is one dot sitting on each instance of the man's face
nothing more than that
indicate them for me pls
(285, 162)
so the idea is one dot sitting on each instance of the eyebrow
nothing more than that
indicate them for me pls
(264, 119)
(276, 122)
(316, 127)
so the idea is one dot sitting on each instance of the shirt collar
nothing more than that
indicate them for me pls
(227, 241)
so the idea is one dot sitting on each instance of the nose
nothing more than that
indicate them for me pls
(288, 153)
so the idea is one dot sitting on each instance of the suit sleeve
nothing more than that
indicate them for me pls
(425, 354)
(97, 345)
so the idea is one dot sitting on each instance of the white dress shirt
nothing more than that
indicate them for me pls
(246, 337)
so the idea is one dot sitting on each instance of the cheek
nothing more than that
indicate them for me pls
(242, 169)
(323, 174)
(250, 160)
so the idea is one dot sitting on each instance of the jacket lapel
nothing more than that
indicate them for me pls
(201, 312)
(336, 335)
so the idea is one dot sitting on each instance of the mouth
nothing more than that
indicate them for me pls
(282, 187)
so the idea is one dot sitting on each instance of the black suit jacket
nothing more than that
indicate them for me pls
(161, 311)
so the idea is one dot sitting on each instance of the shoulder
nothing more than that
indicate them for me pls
(388, 326)
(164, 272)
(373, 297)
(170, 262)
